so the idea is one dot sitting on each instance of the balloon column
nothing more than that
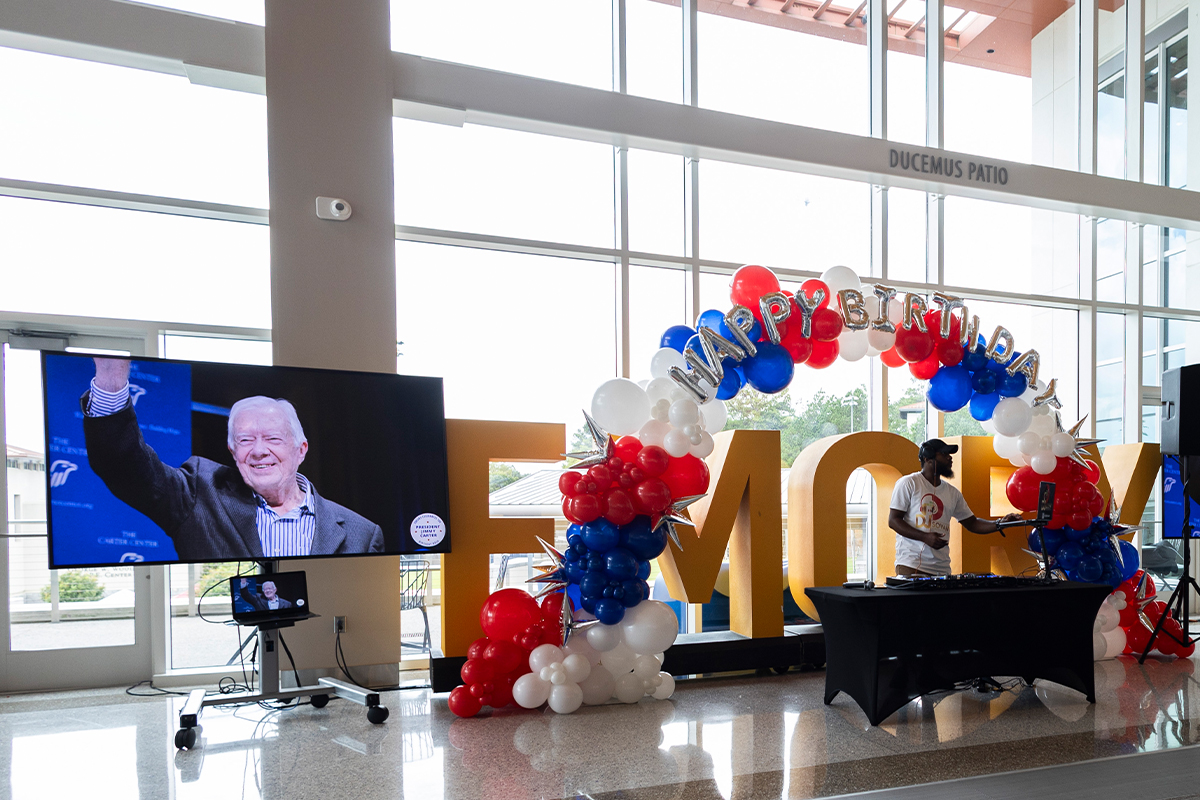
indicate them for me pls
(1140, 612)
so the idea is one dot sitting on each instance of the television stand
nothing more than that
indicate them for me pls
(320, 692)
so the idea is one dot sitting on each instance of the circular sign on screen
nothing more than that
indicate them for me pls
(300, 602)
(428, 530)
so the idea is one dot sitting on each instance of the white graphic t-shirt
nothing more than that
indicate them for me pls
(927, 508)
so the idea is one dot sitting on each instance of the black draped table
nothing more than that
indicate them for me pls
(885, 647)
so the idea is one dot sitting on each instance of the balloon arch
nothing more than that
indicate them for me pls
(596, 635)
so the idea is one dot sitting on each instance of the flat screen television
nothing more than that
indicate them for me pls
(172, 472)
(1174, 498)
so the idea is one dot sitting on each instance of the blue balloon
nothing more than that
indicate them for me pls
(1012, 385)
(592, 584)
(1076, 535)
(632, 593)
(1053, 536)
(640, 539)
(643, 570)
(1068, 556)
(984, 381)
(712, 318)
(1111, 575)
(984, 405)
(996, 366)
(1089, 569)
(697, 346)
(755, 333)
(576, 572)
(950, 388)
(676, 336)
(620, 564)
(573, 593)
(731, 383)
(588, 603)
(609, 611)
(975, 360)
(1129, 559)
(600, 535)
(573, 530)
(771, 370)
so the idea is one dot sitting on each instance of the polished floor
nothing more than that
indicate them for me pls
(735, 737)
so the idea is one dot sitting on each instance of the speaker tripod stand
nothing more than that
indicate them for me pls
(1178, 602)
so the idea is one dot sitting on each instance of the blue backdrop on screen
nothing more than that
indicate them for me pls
(1173, 500)
(89, 524)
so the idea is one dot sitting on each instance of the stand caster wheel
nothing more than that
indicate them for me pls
(320, 700)
(185, 738)
(377, 714)
(780, 670)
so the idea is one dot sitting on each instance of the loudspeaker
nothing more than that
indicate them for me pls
(1180, 429)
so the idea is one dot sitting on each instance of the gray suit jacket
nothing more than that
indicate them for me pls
(205, 507)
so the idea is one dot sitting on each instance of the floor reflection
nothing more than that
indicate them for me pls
(737, 737)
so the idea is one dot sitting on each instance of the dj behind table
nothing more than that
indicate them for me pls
(887, 646)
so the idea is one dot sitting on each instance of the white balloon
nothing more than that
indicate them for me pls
(988, 427)
(1043, 462)
(644, 382)
(1012, 417)
(660, 389)
(662, 361)
(1005, 446)
(1107, 618)
(629, 688)
(566, 698)
(1116, 640)
(530, 691)
(619, 659)
(1019, 460)
(895, 311)
(650, 627)
(881, 340)
(676, 443)
(1042, 424)
(1062, 444)
(604, 637)
(666, 688)
(576, 667)
(1029, 394)
(652, 433)
(620, 406)
(645, 667)
(1028, 443)
(598, 686)
(852, 345)
(543, 656)
(1099, 646)
(705, 447)
(684, 412)
(579, 645)
(838, 278)
(715, 415)
(872, 351)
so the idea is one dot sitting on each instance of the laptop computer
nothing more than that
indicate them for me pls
(274, 600)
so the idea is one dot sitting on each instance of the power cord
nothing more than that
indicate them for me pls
(340, 657)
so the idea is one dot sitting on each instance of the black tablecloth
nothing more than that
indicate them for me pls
(885, 647)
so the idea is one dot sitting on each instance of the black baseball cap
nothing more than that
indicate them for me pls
(933, 447)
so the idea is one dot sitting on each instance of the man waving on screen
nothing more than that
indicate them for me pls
(262, 509)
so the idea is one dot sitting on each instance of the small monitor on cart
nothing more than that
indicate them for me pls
(263, 600)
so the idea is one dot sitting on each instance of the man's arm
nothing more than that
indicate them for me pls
(981, 526)
(897, 523)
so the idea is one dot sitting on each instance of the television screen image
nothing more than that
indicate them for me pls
(155, 461)
(280, 595)
(1174, 498)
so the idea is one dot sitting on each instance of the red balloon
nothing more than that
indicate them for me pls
(912, 345)
(627, 447)
(1080, 520)
(1185, 652)
(1137, 637)
(653, 460)
(477, 647)
(585, 508)
(503, 656)
(826, 324)
(463, 703)
(618, 507)
(569, 514)
(476, 670)
(651, 496)
(567, 483)
(933, 322)
(823, 354)
(507, 613)
(926, 369)
(1096, 506)
(1092, 472)
(686, 476)
(948, 352)
(601, 475)
(891, 358)
(809, 289)
(798, 348)
(1022, 489)
(750, 283)
(502, 692)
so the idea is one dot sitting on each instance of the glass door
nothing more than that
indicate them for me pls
(63, 628)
